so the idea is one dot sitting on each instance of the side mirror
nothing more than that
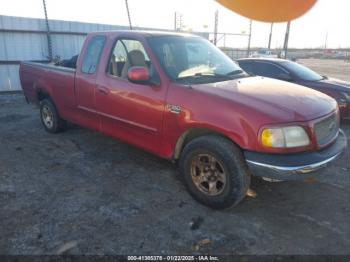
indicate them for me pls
(284, 77)
(138, 74)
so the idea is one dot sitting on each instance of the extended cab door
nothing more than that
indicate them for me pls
(130, 111)
(85, 83)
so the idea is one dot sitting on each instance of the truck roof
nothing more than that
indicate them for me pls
(145, 33)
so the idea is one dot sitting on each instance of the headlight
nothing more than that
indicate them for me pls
(346, 97)
(285, 137)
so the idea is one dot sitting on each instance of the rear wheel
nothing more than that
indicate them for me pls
(214, 171)
(50, 118)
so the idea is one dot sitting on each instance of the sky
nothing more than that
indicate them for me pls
(327, 17)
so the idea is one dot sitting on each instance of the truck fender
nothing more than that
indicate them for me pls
(195, 132)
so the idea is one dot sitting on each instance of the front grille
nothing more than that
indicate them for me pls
(327, 129)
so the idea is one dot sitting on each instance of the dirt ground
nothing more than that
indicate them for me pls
(80, 192)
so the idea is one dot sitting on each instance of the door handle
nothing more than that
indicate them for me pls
(102, 90)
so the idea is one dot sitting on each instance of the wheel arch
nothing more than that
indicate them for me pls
(42, 94)
(42, 90)
(193, 133)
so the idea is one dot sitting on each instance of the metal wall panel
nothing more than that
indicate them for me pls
(22, 46)
(9, 79)
(13, 22)
(24, 39)
(65, 46)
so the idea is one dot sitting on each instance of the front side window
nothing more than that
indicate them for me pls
(268, 70)
(192, 59)
(126, 54)
(92, 54)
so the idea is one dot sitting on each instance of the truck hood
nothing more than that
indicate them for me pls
(280, 100)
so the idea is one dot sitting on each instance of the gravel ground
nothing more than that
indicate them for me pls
(80, 192)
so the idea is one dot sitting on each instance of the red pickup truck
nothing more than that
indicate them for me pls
(181, 98)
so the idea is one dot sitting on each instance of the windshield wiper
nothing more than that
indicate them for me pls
(200, 75)
(235, 72)
(213, 75)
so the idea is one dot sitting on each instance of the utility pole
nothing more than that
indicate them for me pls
(49, 43)
(325, 43)
(216, 26)
(286, 39)
(127, 9)
(249, 37)
(270, 38)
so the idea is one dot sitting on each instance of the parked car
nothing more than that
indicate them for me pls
(301, 75)
(181, 98)
(266, 53)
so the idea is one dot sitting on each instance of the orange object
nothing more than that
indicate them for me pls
(269, 10)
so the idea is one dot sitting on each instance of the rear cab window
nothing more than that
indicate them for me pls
(92, 54)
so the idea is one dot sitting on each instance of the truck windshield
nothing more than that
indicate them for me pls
(193, 60)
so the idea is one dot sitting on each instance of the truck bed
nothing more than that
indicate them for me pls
(47, 79)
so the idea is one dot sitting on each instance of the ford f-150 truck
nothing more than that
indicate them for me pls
(181, 98)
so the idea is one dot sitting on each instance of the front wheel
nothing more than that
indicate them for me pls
(50, 118)
(214, 171)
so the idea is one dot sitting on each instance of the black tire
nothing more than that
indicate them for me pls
(57, 124)
(231, 158)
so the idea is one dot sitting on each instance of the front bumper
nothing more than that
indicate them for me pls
(294, 166)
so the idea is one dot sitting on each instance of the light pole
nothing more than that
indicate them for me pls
(216, 27)
(249, 37)
(286, 39)
(270, 37)
(175, 21)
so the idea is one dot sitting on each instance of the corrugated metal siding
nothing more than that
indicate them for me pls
(22, 46)
(9, 80)
(65, 46)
